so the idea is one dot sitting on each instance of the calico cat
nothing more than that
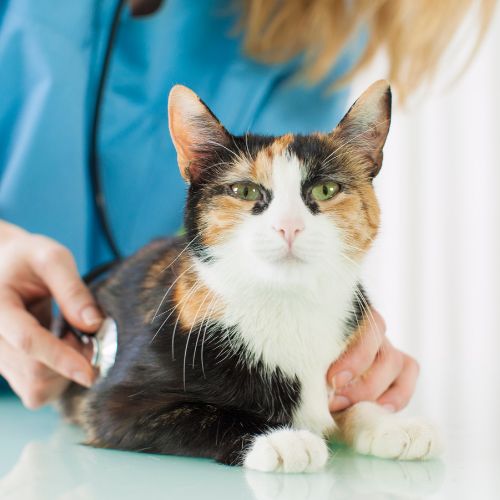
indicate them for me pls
(225, 335)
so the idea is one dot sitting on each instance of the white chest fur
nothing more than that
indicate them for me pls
(300, 338)
(299, 332)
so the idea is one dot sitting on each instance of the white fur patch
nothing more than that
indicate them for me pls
(375, 431)
(287, 450)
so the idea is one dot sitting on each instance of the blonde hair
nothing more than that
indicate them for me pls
(413, 33)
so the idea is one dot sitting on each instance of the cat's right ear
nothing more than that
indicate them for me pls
(365, 126)
(194, 129)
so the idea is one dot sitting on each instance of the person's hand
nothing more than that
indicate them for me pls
(37, 365)
(372, 369)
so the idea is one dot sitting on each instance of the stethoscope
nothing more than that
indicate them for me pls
(104, 342)
(93, 156)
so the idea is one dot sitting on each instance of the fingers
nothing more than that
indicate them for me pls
(86, 350)
(369, 386)
(33, 382)
(24, 334)
(372, 370)
(32, 270)
(361, 353)
(400, 392)
(56, 267)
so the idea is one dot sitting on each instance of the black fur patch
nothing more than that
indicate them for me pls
(360, 305)
(170, 392)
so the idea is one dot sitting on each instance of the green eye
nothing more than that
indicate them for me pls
(325, 191)
(246, 191)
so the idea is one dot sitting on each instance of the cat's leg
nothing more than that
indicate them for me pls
(202, 430)
(373, 430)
(186, 429)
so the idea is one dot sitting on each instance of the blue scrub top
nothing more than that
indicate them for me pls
(51, 55)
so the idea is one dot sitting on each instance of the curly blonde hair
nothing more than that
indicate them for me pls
(413, 33)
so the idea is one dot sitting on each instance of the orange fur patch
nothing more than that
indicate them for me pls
(261, 170)
(195, 302)
(221, 216)
(160, 266)
(357, 215)
(281, 144)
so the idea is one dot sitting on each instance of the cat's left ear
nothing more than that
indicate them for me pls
(365, 127)
(194, 129)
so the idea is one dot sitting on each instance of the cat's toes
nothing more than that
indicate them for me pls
(287, 450)
(403, 439)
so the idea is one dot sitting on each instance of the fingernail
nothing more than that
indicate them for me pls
(339, 403)
(342, 379)
(82, 379)
(389, 407)
(91, 316)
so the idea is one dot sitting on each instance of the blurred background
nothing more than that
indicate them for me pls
(434, 272)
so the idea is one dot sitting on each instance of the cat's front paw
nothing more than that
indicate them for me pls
(287, 450)
(399, 438)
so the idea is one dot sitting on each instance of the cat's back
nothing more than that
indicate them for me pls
(140, 282)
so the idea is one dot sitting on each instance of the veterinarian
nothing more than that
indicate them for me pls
(88, 172)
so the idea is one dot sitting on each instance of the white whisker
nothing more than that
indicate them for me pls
(167, 292)
(189, 336)
(346, 143)
(201, 326)
(193, 289)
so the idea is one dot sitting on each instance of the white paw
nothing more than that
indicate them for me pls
(401, 438)
(287, 450)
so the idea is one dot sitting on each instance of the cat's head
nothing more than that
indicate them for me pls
(280, 208)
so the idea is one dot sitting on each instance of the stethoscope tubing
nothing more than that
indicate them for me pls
(93, 154)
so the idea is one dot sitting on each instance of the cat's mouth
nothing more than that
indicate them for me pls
(289, 258)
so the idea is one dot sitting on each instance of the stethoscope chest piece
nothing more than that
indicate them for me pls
(104, 346)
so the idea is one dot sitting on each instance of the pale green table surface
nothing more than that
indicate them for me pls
(41, 458)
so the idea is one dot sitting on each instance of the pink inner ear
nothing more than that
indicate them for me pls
(192, 125)
(182, 107)
(186, 139)
(366, 124)
(182, 145)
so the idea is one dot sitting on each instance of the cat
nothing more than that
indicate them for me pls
(226, 333)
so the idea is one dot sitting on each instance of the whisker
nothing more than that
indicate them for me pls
(172, 311)
(194, 288)
(183, 250)
(345, 143)
(214, 143)
(167, 292)
(201, 325)
(246, 146)
(189, 336)
(363, 303)
(203, 343)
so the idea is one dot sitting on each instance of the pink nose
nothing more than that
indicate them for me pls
(289, 230)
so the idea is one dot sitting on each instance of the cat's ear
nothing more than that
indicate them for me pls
(365, 126)
(194, 129)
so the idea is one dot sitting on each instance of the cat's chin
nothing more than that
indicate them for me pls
(285, 263)
(290, 260)
(285, 271)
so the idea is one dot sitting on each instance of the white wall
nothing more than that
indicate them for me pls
(434, 272)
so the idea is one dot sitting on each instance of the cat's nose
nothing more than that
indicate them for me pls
(289, 229)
